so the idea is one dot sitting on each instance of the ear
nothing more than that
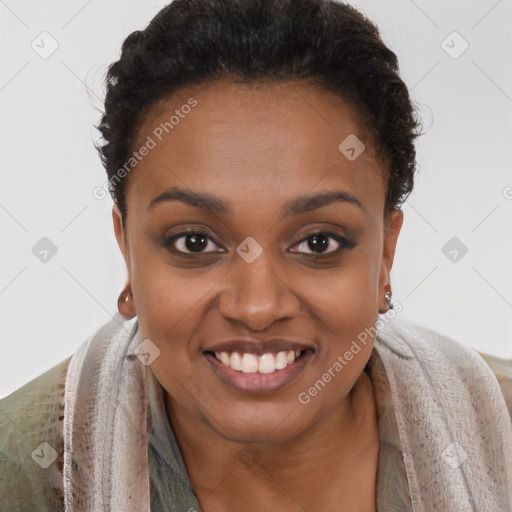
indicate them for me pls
(119, 230)
(392, 227)
(125, 302)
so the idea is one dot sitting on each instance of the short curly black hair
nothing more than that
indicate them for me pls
(330, 43)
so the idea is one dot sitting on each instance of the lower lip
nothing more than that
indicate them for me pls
(259, 383)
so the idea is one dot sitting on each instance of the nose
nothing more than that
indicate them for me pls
(257, 294)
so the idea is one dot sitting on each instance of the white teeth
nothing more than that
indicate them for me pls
(249, 363)
(281, 361)
(252, 363)
(267, 363)
(235, 362)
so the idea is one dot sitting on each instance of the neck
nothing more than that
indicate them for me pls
(332, 459)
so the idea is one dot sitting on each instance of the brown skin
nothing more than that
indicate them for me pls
(256, 148)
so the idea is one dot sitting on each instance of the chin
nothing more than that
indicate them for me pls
(262, 425)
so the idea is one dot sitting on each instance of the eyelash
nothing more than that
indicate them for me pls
(343, 243)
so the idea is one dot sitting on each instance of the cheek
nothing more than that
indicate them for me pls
(164, 294)
(345, 314)
(348, 296)
(169, 318)
(345, 305)
(170, 307)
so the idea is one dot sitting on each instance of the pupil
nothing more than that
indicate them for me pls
(198, 241)
(315, 244)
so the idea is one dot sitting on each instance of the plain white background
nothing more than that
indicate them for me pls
(49, 168)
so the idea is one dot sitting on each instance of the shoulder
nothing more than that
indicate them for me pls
(31, 443)
(410, 340)
(502, 370)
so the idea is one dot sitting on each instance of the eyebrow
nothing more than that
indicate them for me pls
(215, 205)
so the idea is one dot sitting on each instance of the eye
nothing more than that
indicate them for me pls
(321, 242)
(190, 242)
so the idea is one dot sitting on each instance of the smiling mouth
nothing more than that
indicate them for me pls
(258, 373)
(268, 362)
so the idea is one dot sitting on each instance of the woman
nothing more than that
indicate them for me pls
(258, 153)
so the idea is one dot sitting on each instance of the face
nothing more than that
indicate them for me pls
(279, 244)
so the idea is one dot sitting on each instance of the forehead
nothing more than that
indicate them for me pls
(234, 140)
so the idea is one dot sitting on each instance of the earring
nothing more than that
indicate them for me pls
(125, 303)
(387, 299)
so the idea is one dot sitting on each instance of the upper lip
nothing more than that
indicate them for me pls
(258, 346)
